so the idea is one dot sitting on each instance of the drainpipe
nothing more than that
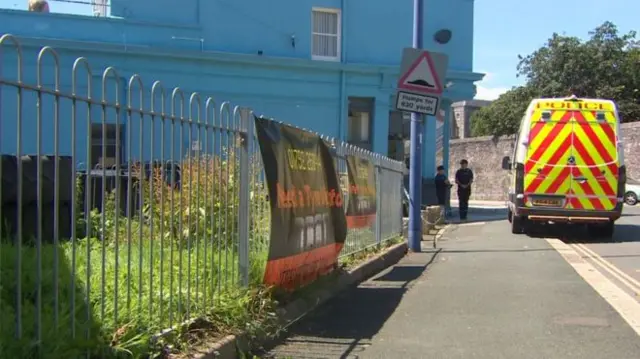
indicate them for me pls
(198, 12)
(342, 117)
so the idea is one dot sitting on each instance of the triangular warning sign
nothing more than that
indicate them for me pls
(421, 76)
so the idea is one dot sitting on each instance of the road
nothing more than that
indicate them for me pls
(489, 294)
(618, 261)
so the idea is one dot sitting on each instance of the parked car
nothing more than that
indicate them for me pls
(632, 192)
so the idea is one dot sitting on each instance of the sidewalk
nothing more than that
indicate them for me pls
(485, 295)
(479, 211)
(482, 204)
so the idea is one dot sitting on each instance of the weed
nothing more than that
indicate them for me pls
(129, 277)
(164, 257)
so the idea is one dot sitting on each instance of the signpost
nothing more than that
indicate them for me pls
(421, 85)
(419, 91)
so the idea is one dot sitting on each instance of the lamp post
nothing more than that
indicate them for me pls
(415, 154)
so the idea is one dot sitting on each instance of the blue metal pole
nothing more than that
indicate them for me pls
(446, 141)
(415, 155)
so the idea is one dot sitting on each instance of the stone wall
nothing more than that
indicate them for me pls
(631, 138)
(485, 159)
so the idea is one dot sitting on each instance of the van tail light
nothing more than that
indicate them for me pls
(519, 178)
(622, 180)
(519, 187)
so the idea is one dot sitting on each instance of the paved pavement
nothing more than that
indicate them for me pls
(487, 294)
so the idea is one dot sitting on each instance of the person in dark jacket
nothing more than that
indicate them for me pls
(442, 186)
(464, 179)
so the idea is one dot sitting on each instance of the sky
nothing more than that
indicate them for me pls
(503, 30)
(506, 28)
(70, 7)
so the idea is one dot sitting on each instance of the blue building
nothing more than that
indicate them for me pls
(326, 65)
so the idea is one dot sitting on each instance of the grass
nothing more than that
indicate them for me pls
(112, 290)
(132, 301)
(106, 294)
(356, 258)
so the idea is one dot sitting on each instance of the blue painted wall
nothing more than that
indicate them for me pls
(212, 46)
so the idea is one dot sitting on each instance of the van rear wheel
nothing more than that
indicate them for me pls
(517, 224)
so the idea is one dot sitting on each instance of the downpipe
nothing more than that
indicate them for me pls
(342, 116)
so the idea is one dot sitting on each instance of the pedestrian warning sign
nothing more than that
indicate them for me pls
(421, 76)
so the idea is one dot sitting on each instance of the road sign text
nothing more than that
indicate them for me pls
(427, 105)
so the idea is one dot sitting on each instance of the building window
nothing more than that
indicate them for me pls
(359, 126)
(111, 144)
(360, 121)
(325, 34)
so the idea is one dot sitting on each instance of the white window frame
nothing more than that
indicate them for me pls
(339, 34)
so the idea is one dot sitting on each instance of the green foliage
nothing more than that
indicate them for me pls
(503, 116)
(105, 295)
(605, 66)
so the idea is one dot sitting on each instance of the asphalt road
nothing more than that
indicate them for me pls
(488, 294)
(619, 260)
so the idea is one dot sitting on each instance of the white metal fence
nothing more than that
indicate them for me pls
(120, 220)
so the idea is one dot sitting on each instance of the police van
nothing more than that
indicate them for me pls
(567, 165)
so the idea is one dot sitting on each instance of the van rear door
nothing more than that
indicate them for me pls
(547, 169)
(594, 174)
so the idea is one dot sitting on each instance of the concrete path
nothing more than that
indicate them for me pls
(486, 294)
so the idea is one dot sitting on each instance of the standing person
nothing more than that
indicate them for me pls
(464, 179)
(442, 185)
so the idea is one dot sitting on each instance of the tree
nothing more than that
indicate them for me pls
(503, 116)
(605, 66)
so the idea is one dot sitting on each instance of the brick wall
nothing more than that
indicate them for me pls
(485, 159)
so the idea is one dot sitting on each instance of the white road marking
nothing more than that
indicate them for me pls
(623, 277)
(621, 301)
(468, 224)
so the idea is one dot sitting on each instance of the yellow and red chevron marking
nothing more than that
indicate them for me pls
(594, 148)
(549, 151)
(572, 201)
(601, 136)
(591, 143)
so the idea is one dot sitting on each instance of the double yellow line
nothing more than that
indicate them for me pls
(622, 277)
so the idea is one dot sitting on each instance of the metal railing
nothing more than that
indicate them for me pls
(126, 209)
(389, 181)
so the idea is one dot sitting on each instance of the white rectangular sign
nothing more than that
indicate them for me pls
(411, 102)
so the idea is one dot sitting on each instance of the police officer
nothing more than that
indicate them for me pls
(442, 186)
(464, 179)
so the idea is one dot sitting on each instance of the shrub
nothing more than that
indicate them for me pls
(175, 259)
